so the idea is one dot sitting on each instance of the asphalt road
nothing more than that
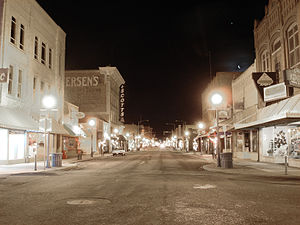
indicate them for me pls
(157, 187)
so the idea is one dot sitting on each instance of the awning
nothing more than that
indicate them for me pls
(74, 130)
(58, 128)
(17, 119)
(281, 113)
(52, 126)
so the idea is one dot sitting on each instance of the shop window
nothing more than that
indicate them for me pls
(22, 33)
(4, 144)
(13, 30)
(254, 141)
(16, 145)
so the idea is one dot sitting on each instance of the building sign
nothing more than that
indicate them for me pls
(122, 103)
(264, 79)
(3, 75)
(224, 114)
(275, 92)
(82, 81)
(292, 77)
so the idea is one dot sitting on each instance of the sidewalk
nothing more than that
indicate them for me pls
(244, 166)
(29, 167)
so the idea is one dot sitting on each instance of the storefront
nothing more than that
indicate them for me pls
(276, 132)
(15, 129)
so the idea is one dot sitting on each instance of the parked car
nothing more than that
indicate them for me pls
(118, 152)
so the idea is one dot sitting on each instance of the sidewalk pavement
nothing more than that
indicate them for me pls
(29, 167)
(245, 166)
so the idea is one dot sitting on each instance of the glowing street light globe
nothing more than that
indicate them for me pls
(200, 125)
(216, 99)
(187, 133)
(116, 131)
(49, 102)
(92, 122)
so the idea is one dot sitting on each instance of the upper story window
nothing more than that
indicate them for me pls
(22, 33)
(276, 45)
(13, 30)
(50, 58)
(36, 47)
(43, 54)
(42, 87)
(265, 60)
(10, 80)
(19, 94)
(34, 85)
(293, 46)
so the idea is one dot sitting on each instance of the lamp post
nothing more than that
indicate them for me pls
(200, 128)
(49, 103)
(92, 123)
(216, 100)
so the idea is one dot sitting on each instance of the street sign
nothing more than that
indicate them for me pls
(3, 75)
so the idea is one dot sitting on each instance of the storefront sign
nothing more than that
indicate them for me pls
(264, 79)
(3, 75)
(292, 77)
(275, 92)
(82, 81)
(224, 114)
(122, 103)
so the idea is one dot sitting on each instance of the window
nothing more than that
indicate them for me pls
(36, 45)
(293, 46)
(10, 80)
(22, 32)
(50, 58)
(34, 85)
(43, 55)
(13, 30)
(276, 45)
(265, 61)
(19, 84)
(42, 86)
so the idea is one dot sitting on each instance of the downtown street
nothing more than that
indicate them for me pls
(149, 187)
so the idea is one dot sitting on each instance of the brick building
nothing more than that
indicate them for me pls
(97, 93)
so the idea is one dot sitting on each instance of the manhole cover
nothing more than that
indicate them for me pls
(206, 186)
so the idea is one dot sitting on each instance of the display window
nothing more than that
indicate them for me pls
(16, 145)
(4, 144)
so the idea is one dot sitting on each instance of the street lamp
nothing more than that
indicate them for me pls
(49, 104)
(216, 100)
(201, 126)
(92, 123)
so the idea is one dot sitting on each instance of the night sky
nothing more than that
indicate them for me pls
(160, 48)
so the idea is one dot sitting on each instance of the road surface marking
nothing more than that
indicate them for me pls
(206, 186)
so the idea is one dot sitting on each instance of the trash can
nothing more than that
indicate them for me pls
(226, 160)
(56, 159)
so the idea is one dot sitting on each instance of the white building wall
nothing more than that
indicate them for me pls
(37, 23)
